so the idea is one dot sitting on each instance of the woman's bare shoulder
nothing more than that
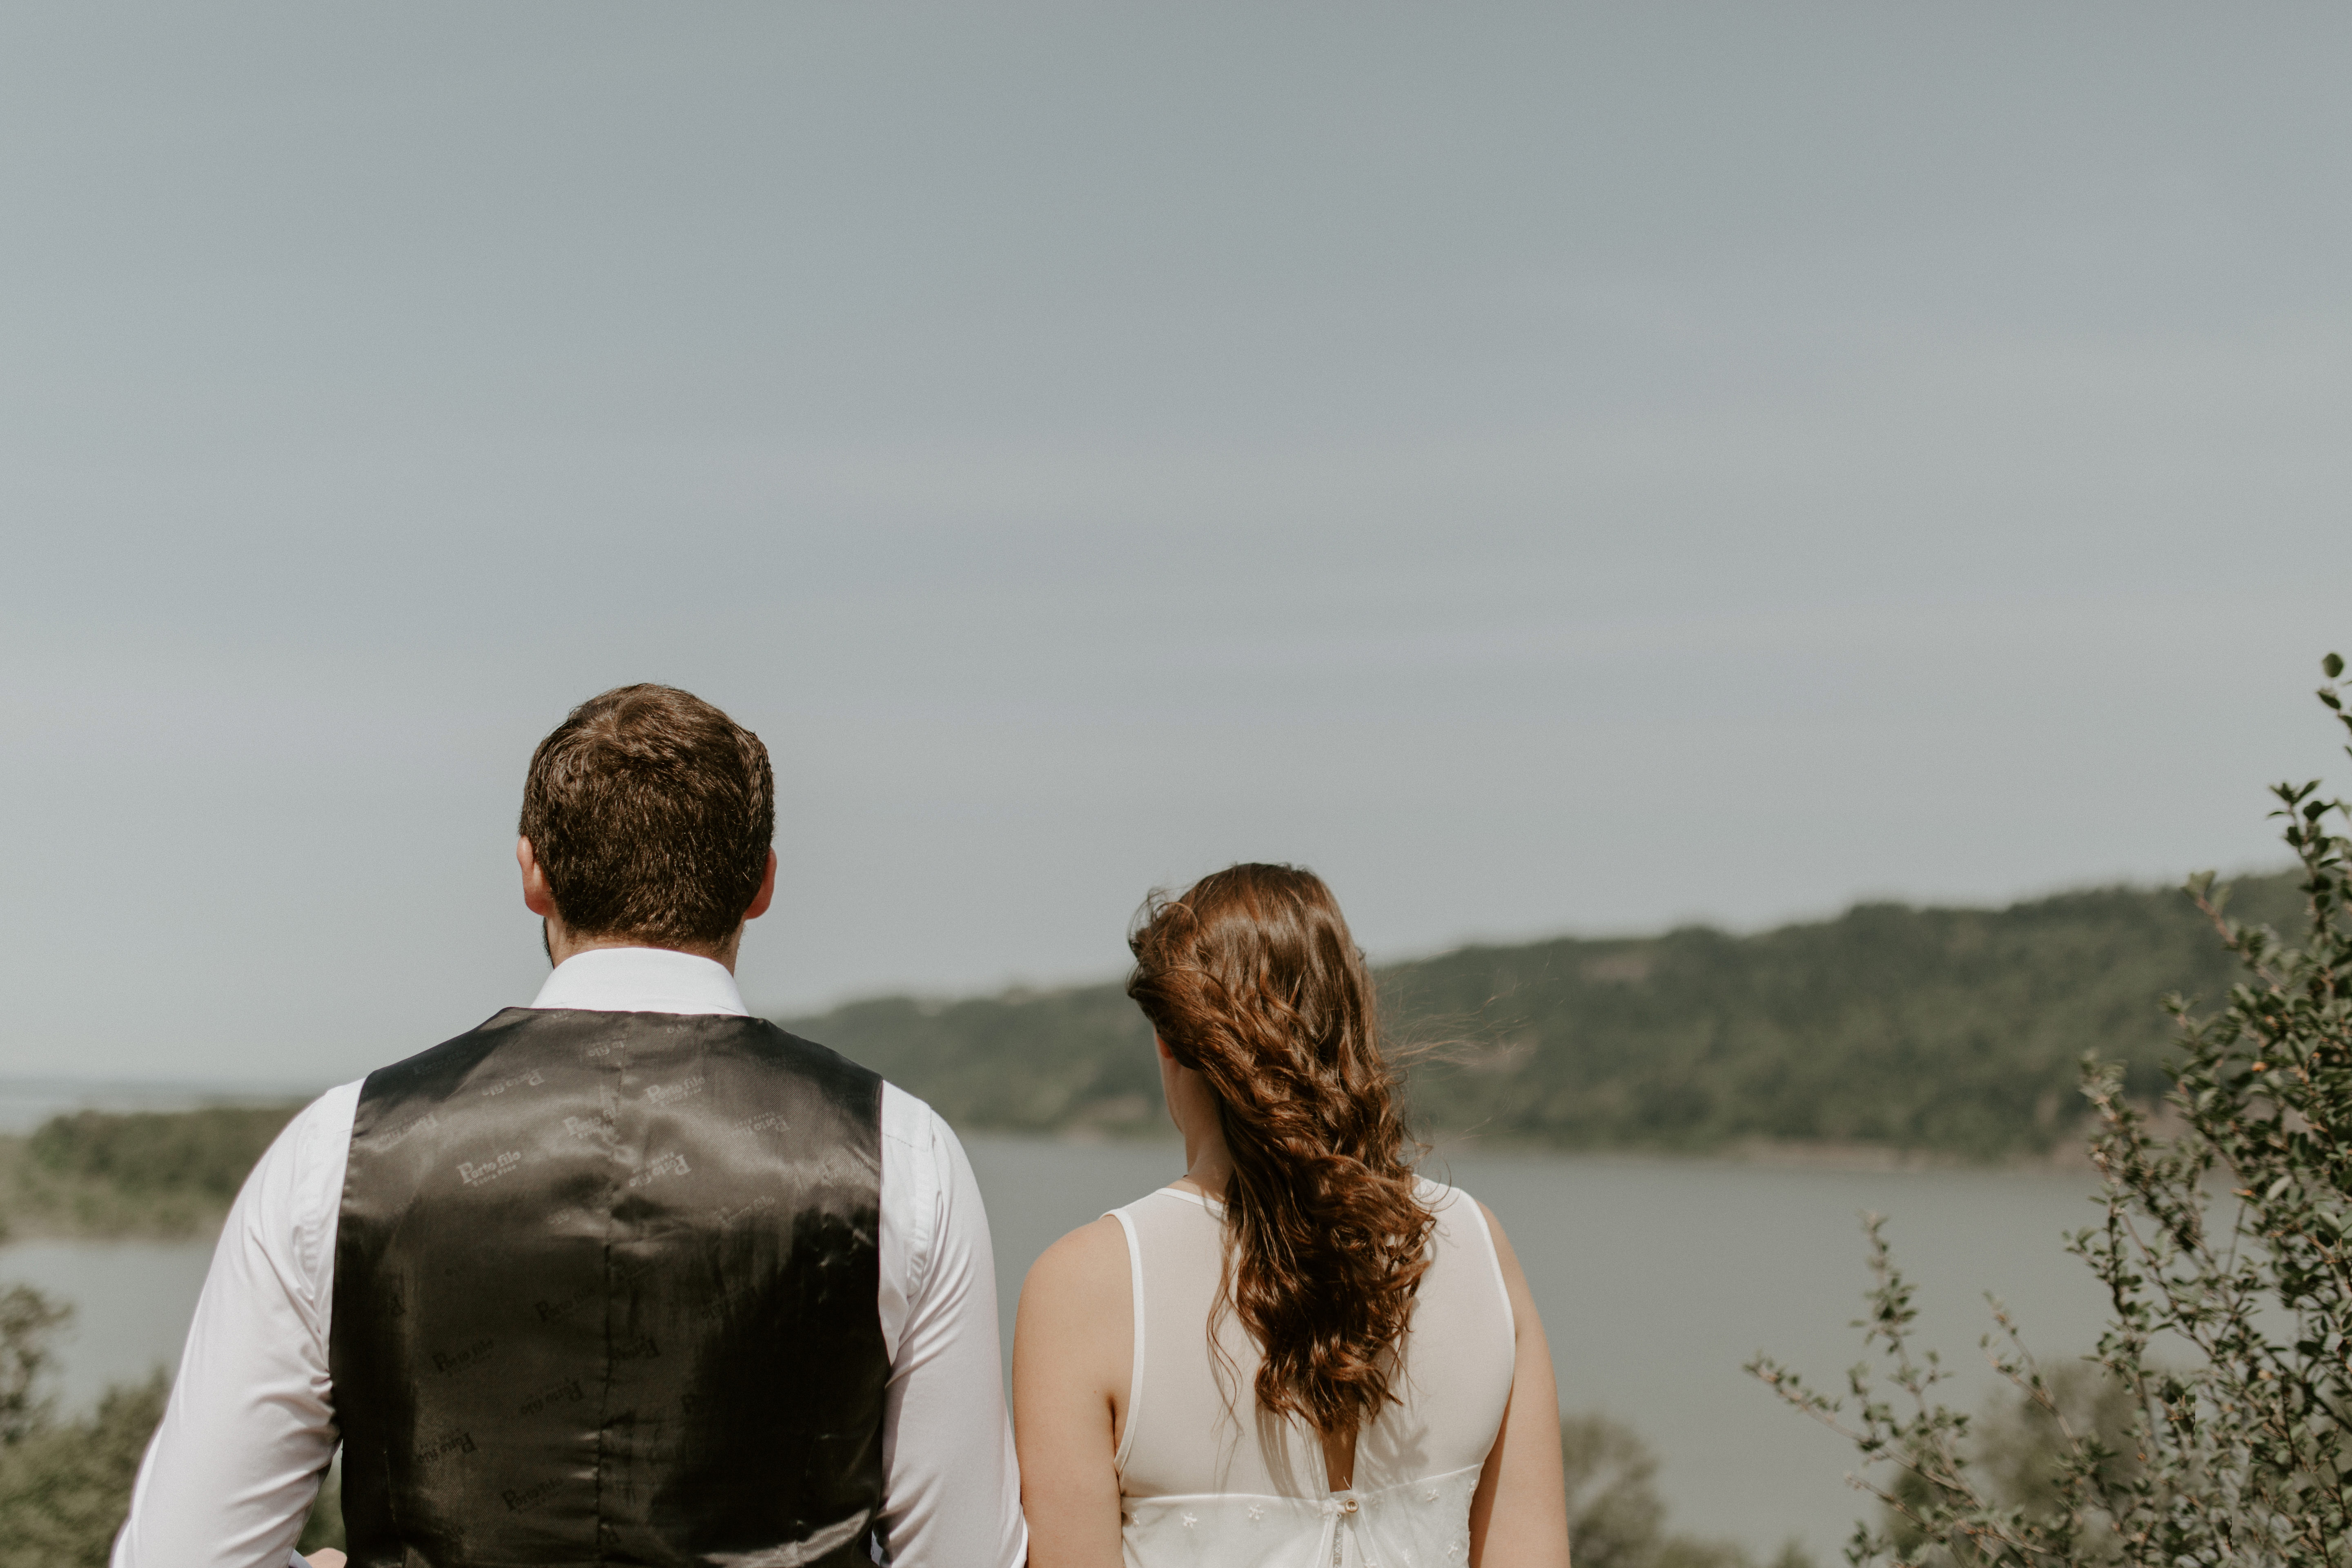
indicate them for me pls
(1089, 1259)
(1076, 1319)
(1504, 1255)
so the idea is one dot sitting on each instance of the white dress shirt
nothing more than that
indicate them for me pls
(232, 1471)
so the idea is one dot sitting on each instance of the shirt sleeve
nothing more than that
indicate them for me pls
(232, 1471)
(951, 1488)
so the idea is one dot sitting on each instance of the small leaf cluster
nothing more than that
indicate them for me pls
(2225, 1255)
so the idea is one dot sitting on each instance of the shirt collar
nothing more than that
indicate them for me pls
(641, 980)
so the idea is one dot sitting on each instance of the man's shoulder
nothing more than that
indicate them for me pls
(909, 1120)
(567, 1031)
(329, 1116)
(820, 1061)
(445, 1063)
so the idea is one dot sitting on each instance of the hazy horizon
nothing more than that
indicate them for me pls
(1552, 470)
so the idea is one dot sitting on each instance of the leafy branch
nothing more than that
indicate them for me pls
(2223, 1247)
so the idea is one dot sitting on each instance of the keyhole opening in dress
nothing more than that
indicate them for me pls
(1339, 1460)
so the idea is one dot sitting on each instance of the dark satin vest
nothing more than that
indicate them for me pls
(604, 1293)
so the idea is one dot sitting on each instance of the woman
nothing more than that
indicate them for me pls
(1297, 1353)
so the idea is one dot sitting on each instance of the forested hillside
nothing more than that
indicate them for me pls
(1944, 1030)
(143, 1172)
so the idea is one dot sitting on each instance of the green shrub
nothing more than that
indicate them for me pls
(2218, 1430)
(65, 1486)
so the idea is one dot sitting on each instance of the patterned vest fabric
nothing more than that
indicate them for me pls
(605, 1292)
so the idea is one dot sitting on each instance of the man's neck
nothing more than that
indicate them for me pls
(562, 942)
(639, 980)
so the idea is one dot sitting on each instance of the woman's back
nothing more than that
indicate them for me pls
(1370, 1326)
(1207, 1477)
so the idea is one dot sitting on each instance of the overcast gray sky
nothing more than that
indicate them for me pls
(1550, 468)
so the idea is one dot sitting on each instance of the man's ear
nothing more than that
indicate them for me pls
(767, 893)
(536, 895)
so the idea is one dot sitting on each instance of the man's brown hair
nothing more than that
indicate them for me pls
(651, 813)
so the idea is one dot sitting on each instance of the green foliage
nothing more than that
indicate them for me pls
(1949, 1030)
(65, 1486)
(1948, 1484)
(206, 1150)
(1615, 1518)
(2020, 1447)
(27, 1319)
(1955, 1030)
(141, 1173)
(2219, 1434)
(1024, 1061)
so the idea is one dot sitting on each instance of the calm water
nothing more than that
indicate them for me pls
(1655, 1279)
(131, 1302)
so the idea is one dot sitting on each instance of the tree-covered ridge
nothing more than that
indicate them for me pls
(141, 1172)
(1023, 1061)
(1947, 1031)
(1944, 1030)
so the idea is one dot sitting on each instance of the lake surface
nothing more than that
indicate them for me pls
(131, 1302)
(1656, 1279)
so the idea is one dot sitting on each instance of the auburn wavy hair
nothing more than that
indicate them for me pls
(1251, 979)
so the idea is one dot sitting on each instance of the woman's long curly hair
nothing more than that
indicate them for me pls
(1251, 979)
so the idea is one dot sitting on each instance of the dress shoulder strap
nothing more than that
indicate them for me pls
(1165, 1230)
(1135, 1307)
(1462, 1223)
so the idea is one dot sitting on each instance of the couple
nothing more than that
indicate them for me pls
(629, 1276)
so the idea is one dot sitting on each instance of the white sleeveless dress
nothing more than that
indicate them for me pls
(1207, 1481)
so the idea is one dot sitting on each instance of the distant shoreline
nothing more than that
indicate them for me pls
(41, 1204)
(2067, 1156)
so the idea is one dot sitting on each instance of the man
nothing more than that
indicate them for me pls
(624, 1277)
